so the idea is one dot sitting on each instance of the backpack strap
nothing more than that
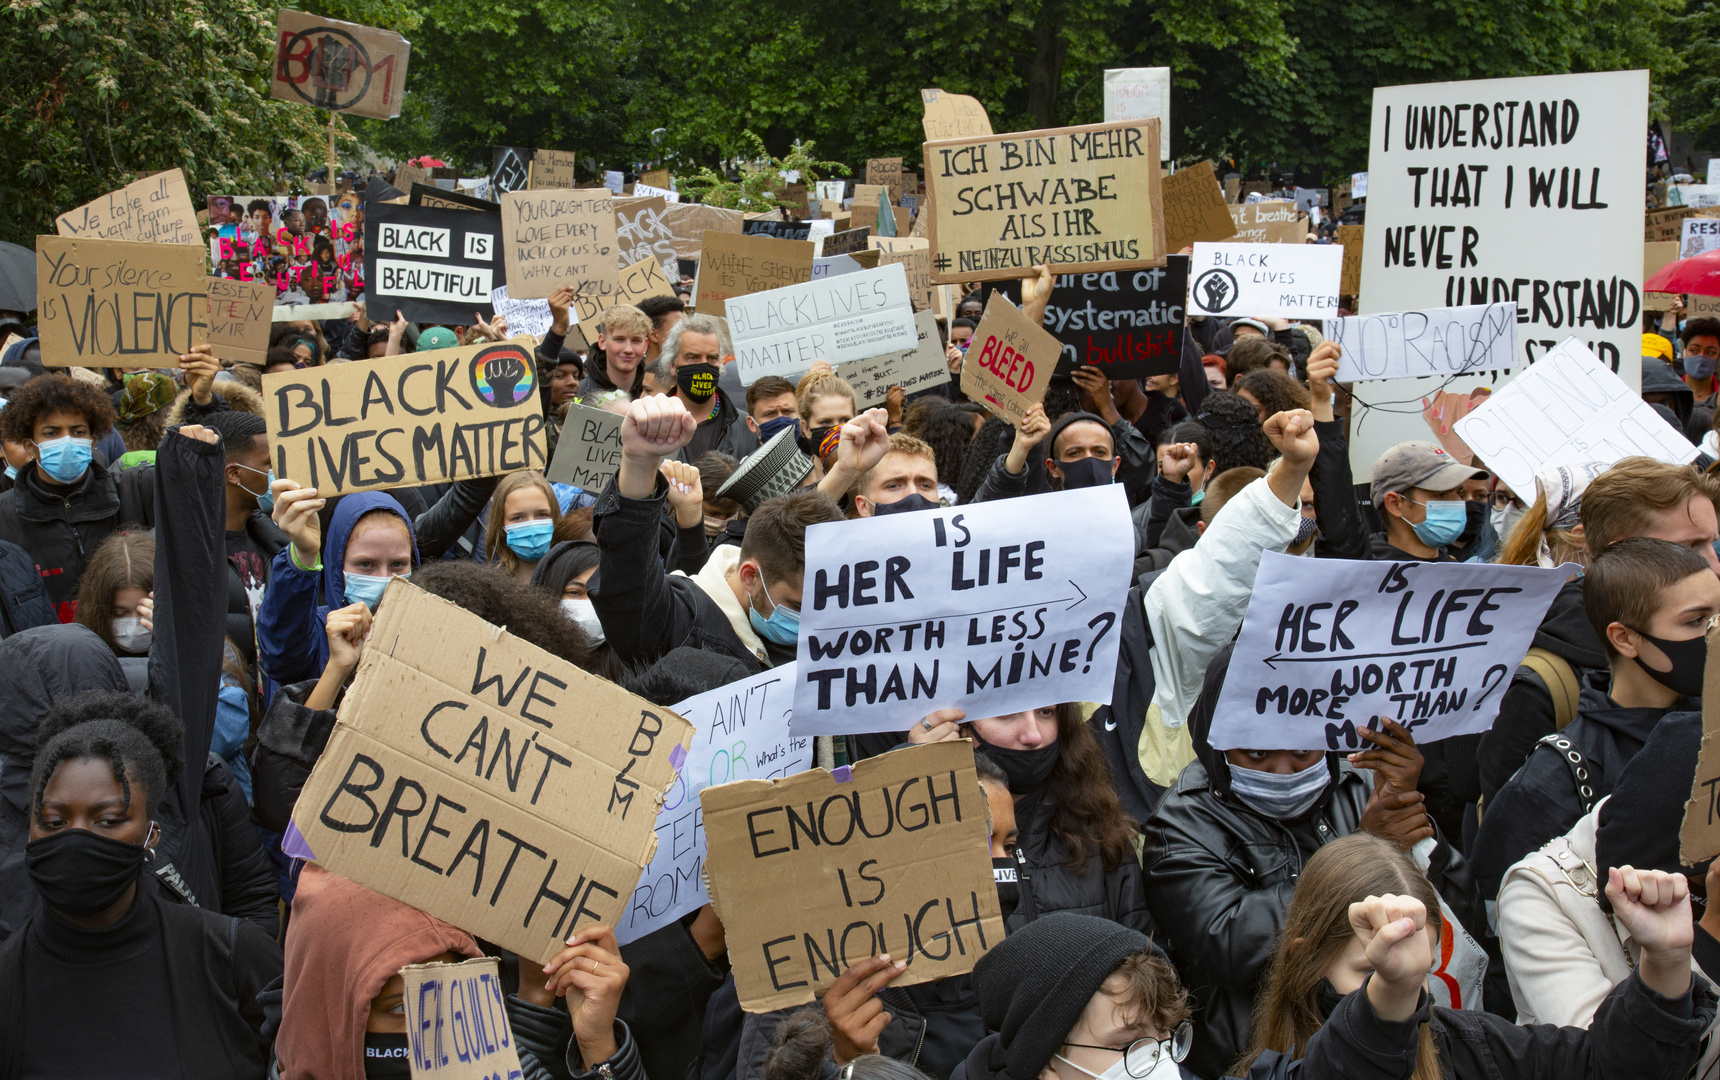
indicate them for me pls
(1560, 679)
(1580, 773)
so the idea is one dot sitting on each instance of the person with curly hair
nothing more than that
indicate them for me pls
(950, 432)
(1237, 437)
(65, 501)
(140, 409)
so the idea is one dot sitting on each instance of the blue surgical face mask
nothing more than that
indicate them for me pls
(768, 429)
(1280, 795)
(367, 589)
(530, 539)
(265, 500)
(66, 458)
(1444, 522)
(1698, 366)
(783, 626)
(11, 471)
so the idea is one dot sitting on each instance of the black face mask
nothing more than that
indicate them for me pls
(697, 382)
(1085, 472)
(816, 439)
(1689, 661)
(386, 1054)
(1003, 871)
(1474, 517)
(1026, 769)
(1326, 998)
(78, 872)
(916, 501)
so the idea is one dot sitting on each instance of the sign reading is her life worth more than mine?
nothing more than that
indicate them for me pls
(1083, 198)
(556, 238)
(402, 421)
(887, 856)
(486, 781)
(154, 210)
(988, 608)
(1330, 644)
(1287, 280)
(114, 303)
(1009, 361)
(339, 66)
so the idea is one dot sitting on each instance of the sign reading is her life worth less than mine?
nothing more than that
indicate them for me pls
(887, 856)
(401, 421)
(115, 303)
(1083, 198)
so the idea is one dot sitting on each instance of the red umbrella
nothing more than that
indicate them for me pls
(428, 162)
(1699, 274)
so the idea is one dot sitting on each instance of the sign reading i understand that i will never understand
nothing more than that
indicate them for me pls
(486, 781)
(401, 421)
(887, 856)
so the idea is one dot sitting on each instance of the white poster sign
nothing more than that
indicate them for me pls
(1295, 281)
(841, 318)
(1137, 93)
(525, 316)
(992, 608)
(1568, 408)
(832, 190)
(1699, 195)
(1527, 190)
(1328, 645)
(1439, 341)
(647, 191)
(741, 733)
(1359, 185)
(1700, 234)
(913, 370)
(614, 181)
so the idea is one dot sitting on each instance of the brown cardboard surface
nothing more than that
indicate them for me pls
(551, 169)
(1009, 361)
(402, 421)
(407, 175)
(953, 116)
(457, 1021)
(641, 234)
(1232, 189)
(504, 750)
(1350, 283)
(1655, 255)
(737, 265)
(915, 255)
(657, 178)
(866, 200)
(339, 66)
(1269, 223)
(644, 278)
(154, 210)
(847, 241)
(1699, 836)
(589, 450)
(1194, 208)
(886, 172)
(557, 238)
(914, 370)
(1102, 208)
(114, 303)
(689, 222)
(1661, 225)
(240, 317)
(894, 859)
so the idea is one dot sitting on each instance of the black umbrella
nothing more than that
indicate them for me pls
(17, 278)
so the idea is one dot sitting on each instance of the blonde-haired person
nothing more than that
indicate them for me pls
(826, 402)
(617, 362)
(524, 513)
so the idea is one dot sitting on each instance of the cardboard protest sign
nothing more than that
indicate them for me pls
(339, 66)
(1009, 361)
(1439, 341)
(733, 265)
(1566, 409)
(1350, 239)
(848, 317)
(432, 265)
(740, 733)
(557, 238)
(1698, 195)
(886, 172)
(782, 230)
(912, 369)
(1699, 234)
(1128, 323)
(892, 856)
(846, 242)
(154, 210)
(1330, 644)
(457, 1021)
(1699, 835)
(644, 278)
(1659, 225)
(435, 198)
(402, 421)
(524, 316)
(241, 314)
(988, 607)
(589, 450)
(1534, 197)
(1273, 222)
(510, 170)
(953, 116)
(915, 257)
(523, 789)
(689, 222)
(1137, 93)
(640, 234)
(1195, 208)
(115, 303)
(1262, 279)
(1084, 198)
(551, 169)
(1655, 256)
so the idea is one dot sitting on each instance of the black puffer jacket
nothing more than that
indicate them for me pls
(23, 601)
(1049, 884)
(1220, 876)
(61, 527)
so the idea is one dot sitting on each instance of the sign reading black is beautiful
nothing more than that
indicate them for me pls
(431, 265)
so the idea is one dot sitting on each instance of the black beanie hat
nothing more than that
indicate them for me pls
(1034, 986)
(1639, 824)
(1063, 422)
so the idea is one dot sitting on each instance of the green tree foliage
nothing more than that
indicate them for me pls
(1694, 98)
(758, 188)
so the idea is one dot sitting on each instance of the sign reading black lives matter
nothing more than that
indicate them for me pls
(1128, 323)
(1523, 190)
(991, 608)
(432, 265)
(1330, 644)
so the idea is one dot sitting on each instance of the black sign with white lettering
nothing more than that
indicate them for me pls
(1127, 323)
(431, 265)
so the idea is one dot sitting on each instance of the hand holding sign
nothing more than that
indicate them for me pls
(1036, 293)
(592, 975)
(1322, 369)
(1034, 427)
(939, 725)
(856, 1013)
(200, 368)
(1394, 758)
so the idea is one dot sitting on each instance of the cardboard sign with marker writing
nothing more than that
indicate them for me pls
(886, 172)
(556, 238)
(641, 234)
(887, 856)
(551, 169)
(486, 781)
(644, 278)
(689, 222)
(1655, 256)
(1083, 198)
(113, 303)
(1009, 361)
(589, 450)
(339, 66)
(457, 1021)
(1660, 225)
(847, 242)
(1194, 208)
(1699, 836)
(734, 265)
(953, 116)
(154, 210)
(1350, 280)
(915, 255)
(241, 314)
(1269, 223)
(913, 369)
(402, 421)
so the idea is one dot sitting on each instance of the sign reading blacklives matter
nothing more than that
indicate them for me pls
(339, 66)
(431, 265)
(1128, 323)
(1527, 190)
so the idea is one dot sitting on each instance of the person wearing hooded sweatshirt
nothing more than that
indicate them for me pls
(1649, 601)
(1662, 386)
(1226, 844)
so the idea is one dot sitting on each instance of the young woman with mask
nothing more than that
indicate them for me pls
(119, 578)
(1348, 992)
(523, 515)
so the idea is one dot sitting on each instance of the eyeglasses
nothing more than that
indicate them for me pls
(1140, 1056)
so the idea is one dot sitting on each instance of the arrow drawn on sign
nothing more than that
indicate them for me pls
(1366, 656)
